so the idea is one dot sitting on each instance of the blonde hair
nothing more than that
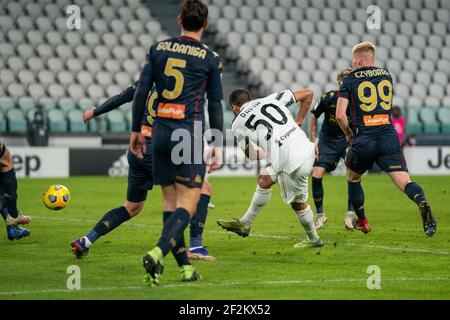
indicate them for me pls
(342, 74)
(364, 47)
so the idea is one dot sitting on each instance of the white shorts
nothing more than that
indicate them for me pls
(294, 186)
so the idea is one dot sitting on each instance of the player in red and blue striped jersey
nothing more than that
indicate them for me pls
(368, 89)
(184, 71)
(140, 181)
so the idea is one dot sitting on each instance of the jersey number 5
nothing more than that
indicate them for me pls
(265, 123)
(370, 102)
(170, 71)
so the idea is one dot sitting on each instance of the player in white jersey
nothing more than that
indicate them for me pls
(266, 129)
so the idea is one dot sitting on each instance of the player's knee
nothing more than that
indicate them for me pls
(169, 206)
(297, 206)
(318, 172)
(134, 208)
(207, 188)
(401, 179)
(6, 162)
(353, 176)
(265, 181)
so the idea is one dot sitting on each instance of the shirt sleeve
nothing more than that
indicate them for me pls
(242, 143)
(345, 90)
(287, 97)
(145, 82)
(319, 108)
(116, 101)
(214, 89)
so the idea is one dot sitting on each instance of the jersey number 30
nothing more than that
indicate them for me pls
(265, 123)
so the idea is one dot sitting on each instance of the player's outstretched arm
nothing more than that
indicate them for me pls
(313, 128)
(305, 98)
(313, 133)
(112, 103)
(341, 117)
(254, 152)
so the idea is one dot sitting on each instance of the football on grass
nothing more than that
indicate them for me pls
(56, 197)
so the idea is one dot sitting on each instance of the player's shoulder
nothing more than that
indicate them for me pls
(210, 51)
(329, 96)
(213, 56)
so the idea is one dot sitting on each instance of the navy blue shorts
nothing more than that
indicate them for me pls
(384, 150)
(189, 173)
(331, 150)
(140, 177)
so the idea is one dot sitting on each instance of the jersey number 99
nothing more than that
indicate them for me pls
(370, 102)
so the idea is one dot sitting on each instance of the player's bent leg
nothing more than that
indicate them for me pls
(317, 190)
(169, 197)
(350, 215)
(172, 236)
(356, 195)
(8, 182)
(110, 221)
(415, 192)
(261, 196)
(197, 251)
(305, 217)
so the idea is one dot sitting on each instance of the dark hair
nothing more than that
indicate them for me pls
(193, 14)
(239, 96)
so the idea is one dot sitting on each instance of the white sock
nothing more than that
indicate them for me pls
(306, 219)
(87, 242)
(350, 212)
(259, 200)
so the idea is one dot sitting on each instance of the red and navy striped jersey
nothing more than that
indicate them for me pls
(369, 91)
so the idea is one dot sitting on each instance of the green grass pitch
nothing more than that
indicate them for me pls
(262, 266)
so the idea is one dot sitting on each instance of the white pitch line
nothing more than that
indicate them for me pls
(268, 236)
(225, 284)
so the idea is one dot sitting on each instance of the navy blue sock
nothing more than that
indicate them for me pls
(198, 221)
(8, 181)
(317, 190)
(173, 230)
(179, 251)
(2, 207)
(356, 195)
(415, 192)
(349, 202)
(109, 222)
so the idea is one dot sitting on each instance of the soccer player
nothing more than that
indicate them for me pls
(183, 70)
(265, 128)
(369, 90)
(330, 149)
(139, 182)
(8, 190)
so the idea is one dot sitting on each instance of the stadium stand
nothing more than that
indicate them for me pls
(276, 44)
(43, 62)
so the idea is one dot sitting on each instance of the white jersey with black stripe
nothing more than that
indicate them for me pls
(268, 123)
